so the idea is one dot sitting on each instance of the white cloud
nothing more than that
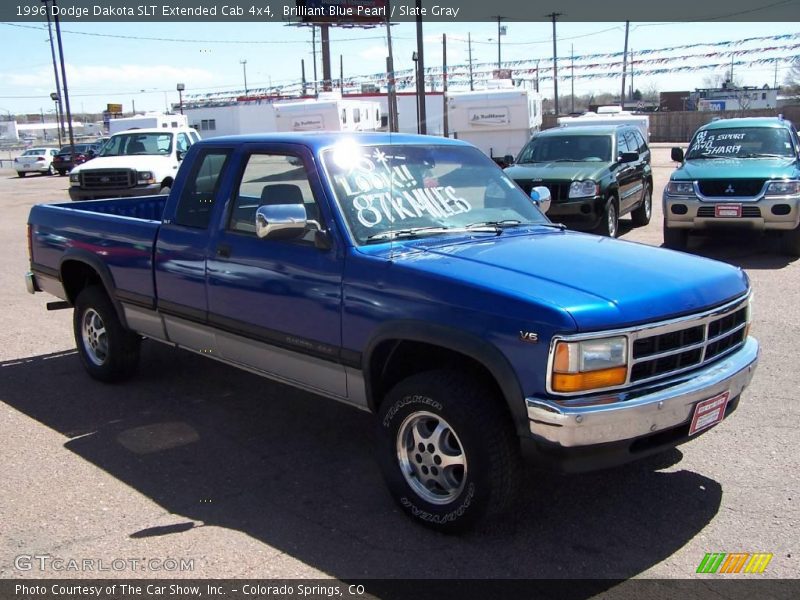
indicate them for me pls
(120, 77)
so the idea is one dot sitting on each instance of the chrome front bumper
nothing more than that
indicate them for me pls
(661, 406)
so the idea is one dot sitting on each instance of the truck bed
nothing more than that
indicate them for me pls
(121, 232)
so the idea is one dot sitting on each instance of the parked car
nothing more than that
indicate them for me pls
(36, 160)
(409, 277)
(134, 162)
(595, 175)
(63, 162)
(737, 174)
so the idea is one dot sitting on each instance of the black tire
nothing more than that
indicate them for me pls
(609, 224)
(108, 351)
(478, 440)
(790, 242)
(21, 173)
(675, 239)
(642, 213)
(62, 172)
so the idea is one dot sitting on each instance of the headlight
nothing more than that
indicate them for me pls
(590, 364)
(582, 189)
(74, 178)
(783, 188)
(146, 176)
(680, 188)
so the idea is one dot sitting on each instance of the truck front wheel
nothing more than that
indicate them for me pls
(108, 351)
(609, 223)
(447, 449)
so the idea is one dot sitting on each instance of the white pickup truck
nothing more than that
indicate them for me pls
(135, 162)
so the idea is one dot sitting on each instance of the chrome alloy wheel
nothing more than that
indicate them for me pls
(431, 457)
(612, 220)
(648, 203)
(95, 338)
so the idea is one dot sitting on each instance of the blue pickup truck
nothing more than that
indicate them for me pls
(408, 276)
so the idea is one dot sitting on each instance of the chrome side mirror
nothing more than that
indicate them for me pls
(541, 198)
(280, 221)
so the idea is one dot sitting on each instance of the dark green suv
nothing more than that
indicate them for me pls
(595, 174)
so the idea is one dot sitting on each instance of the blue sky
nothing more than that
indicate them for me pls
(105, 70)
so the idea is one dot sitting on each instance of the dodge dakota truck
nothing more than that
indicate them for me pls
(737, 174)
(408, 276)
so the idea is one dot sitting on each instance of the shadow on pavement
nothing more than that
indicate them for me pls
(223, 447)
(746, 249)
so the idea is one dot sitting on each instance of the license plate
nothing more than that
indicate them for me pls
(709, 412)
(728, 210)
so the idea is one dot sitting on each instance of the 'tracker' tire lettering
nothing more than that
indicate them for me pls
(108, 351)
(448, 450)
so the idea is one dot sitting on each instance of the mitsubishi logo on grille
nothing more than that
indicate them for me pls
(105, 179)
(729, 189)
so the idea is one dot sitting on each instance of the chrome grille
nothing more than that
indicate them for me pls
(747, 211)
(686, 344)
(108, 178)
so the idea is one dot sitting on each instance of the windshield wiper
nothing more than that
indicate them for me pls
(496, 226)
(762, 155)
(404, 233)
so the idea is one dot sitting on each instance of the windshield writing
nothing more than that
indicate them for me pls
(425, 188)
(741, 143)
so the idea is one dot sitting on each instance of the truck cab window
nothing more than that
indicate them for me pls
(273, 179)
(199, 193)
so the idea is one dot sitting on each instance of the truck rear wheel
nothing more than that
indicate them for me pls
(790, 242)
(108, 351)
(447, 449)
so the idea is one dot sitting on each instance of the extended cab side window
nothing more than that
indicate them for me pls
(199, 193)
(270, 179)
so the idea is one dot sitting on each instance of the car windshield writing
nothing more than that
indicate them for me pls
(383, 189)
(138, 143)
(577, 148)
(742, 142)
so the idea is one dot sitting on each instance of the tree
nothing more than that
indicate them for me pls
(637, 95)
(792, 80)
(716, 80)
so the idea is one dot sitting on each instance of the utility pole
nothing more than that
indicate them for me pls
(632, 98)
(499, 18)
(423, 127)
(536, 82)
(341, 75)
(243, 62)
(572, 76)
(624, 65)
(314, 53)
(775, 84)
(324, 31)
(553, 16)
(64, 80)
(59, 111)
(469, 48)
(302, 76)
(394, 121)
(445, 122)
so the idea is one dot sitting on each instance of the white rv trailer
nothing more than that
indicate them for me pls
(328, 112)
(148, 121)
(498, 121)
(604, 116)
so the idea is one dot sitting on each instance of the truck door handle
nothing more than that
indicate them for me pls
(223, 251)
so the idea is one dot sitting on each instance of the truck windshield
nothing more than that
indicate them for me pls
(127, 144)
(385, 191)
(567, 148)
(741, 142)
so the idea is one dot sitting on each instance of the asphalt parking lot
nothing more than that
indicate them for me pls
(198, 461)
